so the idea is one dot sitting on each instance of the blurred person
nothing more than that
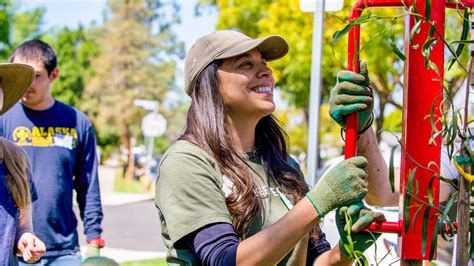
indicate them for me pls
(16, 188)
(60, 143)
(227, 191)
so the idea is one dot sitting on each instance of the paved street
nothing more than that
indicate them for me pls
(133, 226)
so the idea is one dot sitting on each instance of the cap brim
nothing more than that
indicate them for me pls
(271, 47)
(15, 81)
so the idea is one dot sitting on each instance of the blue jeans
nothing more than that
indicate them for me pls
(66, 260)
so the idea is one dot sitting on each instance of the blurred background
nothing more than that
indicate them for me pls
(121, 62)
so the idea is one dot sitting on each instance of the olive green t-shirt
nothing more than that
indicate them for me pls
(191, 192)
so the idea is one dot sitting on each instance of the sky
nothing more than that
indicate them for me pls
(70, 13)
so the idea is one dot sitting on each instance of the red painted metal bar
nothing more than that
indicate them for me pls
(422, 87)
(395, 227)
(385, 227)
(350, 148)
(461, 4)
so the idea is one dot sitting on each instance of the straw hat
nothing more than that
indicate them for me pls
(15, 79)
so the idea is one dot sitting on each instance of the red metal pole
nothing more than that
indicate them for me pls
(422, 87)
(396, 227)
(350, 148)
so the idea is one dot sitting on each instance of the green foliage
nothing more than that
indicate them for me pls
(135, 60)
(109, 142)
(27, 25)
(124, 186)
(75, 49)
(393, 121)
(5, 27)
(16, 26)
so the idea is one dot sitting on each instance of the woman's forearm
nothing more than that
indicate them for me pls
(272, 244)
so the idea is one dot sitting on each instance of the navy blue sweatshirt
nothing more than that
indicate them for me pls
(61, 145)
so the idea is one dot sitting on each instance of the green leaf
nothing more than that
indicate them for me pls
(398, 52)
(406, 201)
(429, 195)
(428, 10)
(415, 30)
(424, 228)
(356, 22)
(464, 35)
(433, 241)
(413, 219)
(393, 44)
(434, 67)
(427, 49)
(392, 170)
(449, 204)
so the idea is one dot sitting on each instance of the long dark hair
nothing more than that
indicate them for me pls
(207, 127)
(17, 165)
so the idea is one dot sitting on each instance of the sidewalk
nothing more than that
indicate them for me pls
(111, 199)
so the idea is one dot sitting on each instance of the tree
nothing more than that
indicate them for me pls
(16, 26)
(75, 50)
(134, 62)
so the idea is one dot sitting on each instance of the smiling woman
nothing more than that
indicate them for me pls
(228, 187)
(247, 86)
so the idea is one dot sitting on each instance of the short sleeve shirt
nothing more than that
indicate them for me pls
(191, 193)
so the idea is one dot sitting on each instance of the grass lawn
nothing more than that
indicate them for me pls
(152, 262)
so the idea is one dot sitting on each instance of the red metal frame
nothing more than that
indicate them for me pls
(422, 88)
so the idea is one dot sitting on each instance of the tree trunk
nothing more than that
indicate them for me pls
(130, 174)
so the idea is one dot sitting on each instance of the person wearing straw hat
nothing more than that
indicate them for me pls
(16, 187)
(61, 145)
(227, 191)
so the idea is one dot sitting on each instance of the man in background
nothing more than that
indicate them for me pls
(61, 146)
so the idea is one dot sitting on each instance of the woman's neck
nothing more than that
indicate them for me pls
(243, 133)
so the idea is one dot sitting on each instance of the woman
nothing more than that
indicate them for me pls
(227, 191)
(16, 189)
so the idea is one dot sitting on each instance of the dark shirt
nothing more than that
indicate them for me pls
(61, 147)
(216, 244)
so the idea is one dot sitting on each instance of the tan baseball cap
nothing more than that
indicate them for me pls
(225, 44)
(15, 80)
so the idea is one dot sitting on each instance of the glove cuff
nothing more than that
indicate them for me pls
(320, 214)
(369, 124)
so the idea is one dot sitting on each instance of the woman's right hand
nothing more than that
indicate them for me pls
(342, 185)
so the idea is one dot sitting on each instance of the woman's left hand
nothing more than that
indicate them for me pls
(354, 240)
(31, 247)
